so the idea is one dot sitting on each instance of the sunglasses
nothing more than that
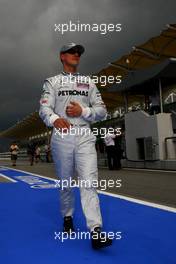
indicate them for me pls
(73, 51)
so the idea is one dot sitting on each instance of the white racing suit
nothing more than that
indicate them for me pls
(75, 151)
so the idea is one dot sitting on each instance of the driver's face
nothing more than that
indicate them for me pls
(70, 59)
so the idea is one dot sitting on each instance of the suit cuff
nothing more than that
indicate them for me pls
(53, 118)
(86, 112)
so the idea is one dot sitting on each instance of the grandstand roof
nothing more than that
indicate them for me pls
(155, 51)
(29, 126)
(164, 70)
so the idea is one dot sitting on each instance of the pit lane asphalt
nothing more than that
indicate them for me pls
(151, 186)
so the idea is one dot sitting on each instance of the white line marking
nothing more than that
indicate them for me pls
(6, 177)
(133, 200)
(30, 173)
(136, 169)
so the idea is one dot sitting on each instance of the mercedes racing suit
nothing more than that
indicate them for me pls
(76, 151)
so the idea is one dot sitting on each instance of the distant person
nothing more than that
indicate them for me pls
(100, 144)
(110, 149)
(37, 154)
(47, 153)
(118, 152)
(154, 103)
(31, 152)
(14, 153)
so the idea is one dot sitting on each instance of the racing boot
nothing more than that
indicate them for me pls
(68, 224)
(99, 239)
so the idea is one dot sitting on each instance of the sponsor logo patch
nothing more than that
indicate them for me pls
(83, 85)
(44, 101)
(72, 92)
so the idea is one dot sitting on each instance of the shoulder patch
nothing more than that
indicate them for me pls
(54, 80)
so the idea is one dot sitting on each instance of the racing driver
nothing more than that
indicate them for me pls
(68, 103)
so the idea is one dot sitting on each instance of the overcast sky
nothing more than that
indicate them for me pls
(29, 45)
